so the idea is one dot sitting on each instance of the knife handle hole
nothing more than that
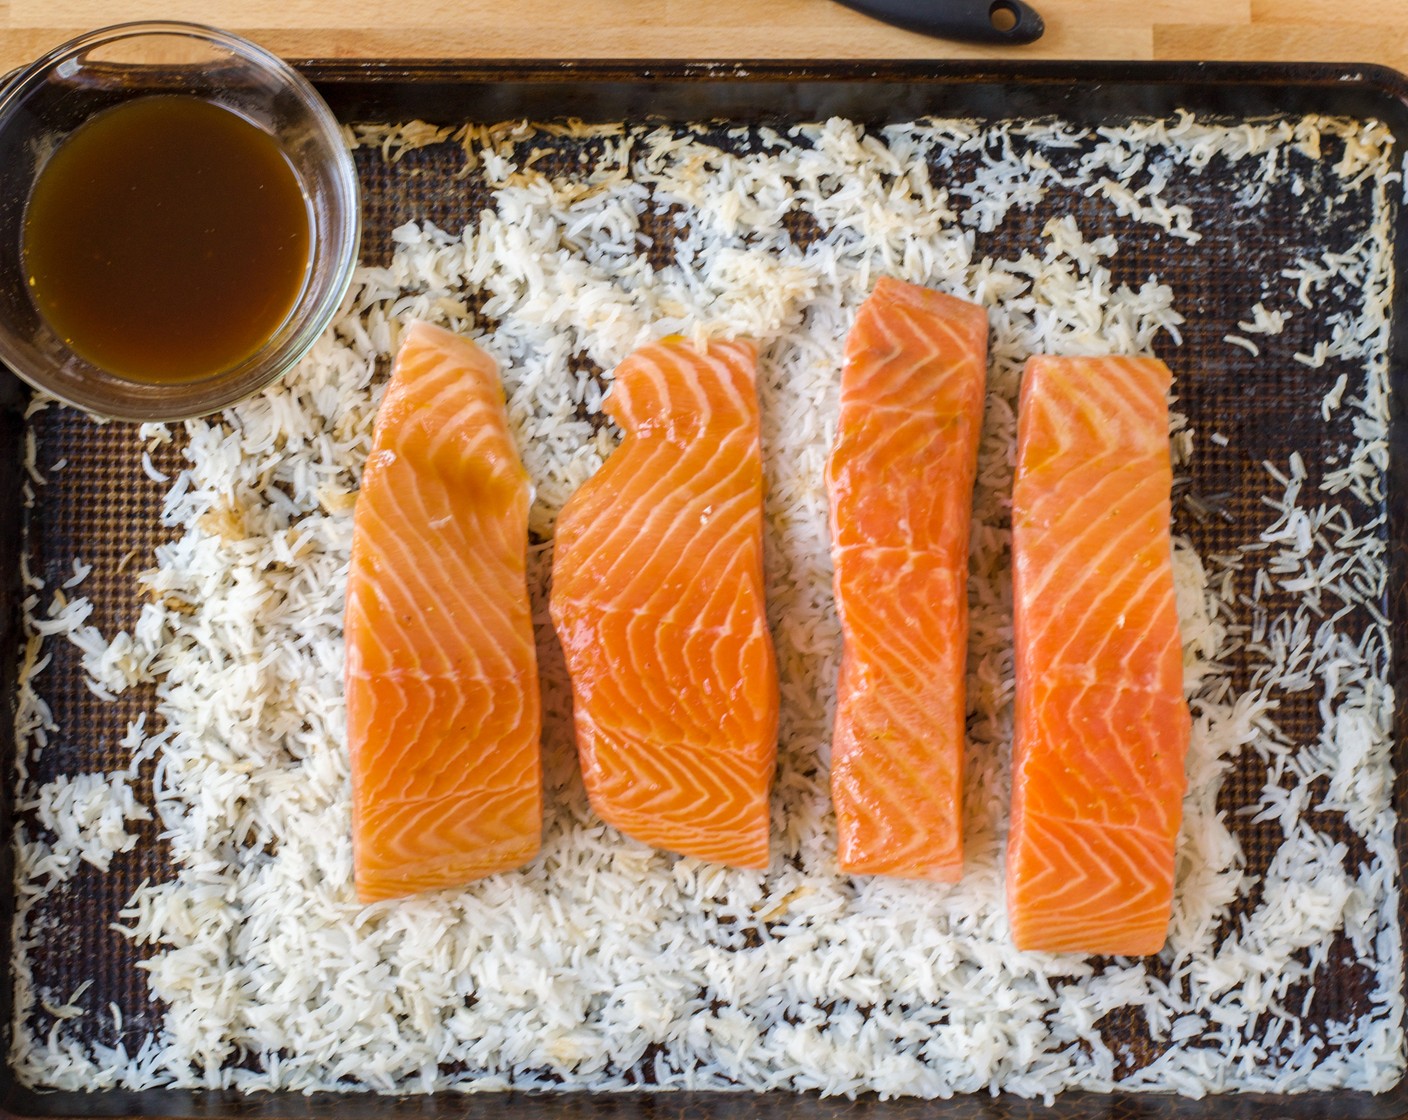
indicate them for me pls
(1003, 16)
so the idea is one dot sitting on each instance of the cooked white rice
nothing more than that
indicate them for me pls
(605, 963)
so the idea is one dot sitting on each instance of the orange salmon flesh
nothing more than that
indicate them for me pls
(441, 674)
(657, 596)
(1101, 723)
(900, 482)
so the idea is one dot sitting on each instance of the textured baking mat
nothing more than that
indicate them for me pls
(98, 505)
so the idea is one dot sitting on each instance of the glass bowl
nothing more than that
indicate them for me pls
(42, 104)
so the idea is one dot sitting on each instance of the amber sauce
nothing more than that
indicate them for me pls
(166, 239)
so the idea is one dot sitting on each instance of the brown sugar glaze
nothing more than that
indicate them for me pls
(166, 240)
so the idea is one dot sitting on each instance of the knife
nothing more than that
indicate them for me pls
(970, 21)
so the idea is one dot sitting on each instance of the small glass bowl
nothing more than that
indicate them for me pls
(44, 102)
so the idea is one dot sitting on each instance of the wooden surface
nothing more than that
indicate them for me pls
(1316, 30)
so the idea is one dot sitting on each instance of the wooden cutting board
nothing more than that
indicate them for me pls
(1371, 31)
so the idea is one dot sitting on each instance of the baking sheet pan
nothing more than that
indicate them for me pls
(100, 506)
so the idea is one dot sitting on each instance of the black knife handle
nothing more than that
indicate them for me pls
(969, 21)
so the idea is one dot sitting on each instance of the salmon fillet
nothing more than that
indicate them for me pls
(900, 482)
(657, 597)
(1101, 723)
(441, 673)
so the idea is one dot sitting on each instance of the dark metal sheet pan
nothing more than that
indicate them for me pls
(97, 506)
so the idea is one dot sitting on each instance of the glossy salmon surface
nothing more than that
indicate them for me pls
(443, 708)
(1101, 722)
(900, 482)
(657, 596)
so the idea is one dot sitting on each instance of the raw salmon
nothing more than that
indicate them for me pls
(900, 480)
(1102, 725)
(442, 687)
(657, 596)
